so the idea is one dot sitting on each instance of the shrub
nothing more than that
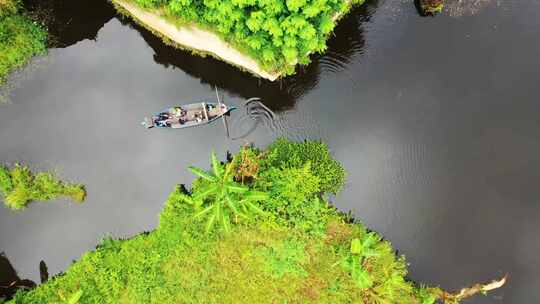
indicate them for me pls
(19, 186)
(288, 154)
(9, 7)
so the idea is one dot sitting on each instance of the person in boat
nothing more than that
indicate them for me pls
(162, 120)
(178, 111)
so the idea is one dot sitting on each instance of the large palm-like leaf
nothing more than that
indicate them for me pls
(221, 198)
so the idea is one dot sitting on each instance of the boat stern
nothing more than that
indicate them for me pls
(148, 123)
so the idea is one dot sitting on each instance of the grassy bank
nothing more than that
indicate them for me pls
(19, 187)
(256, 229)
(20, 38)
(277, 34)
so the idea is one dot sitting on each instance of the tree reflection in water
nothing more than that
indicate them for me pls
(69, 22)
(343, 47)
(9, 279)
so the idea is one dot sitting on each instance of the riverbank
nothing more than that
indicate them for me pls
(255, 229)
(20, 38)
(267, 40)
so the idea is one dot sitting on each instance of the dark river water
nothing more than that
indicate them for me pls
(437, 121)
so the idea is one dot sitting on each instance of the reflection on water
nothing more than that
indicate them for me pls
(458, 8)
(256, 113)
(69, 22)
(9, 279)
(343, 47)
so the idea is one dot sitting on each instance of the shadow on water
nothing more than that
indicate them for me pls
(69, 22)
(346, 43)
(10, 281)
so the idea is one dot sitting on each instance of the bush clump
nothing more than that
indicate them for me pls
(20, 38)
(288, 154)
(19, 186)
(277, 33)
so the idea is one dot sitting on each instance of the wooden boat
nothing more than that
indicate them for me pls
(189, 115)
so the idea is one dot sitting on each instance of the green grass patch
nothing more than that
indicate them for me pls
(266, 255)
(19, 187)
(20, 38)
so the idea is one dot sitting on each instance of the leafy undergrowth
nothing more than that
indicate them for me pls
(20, 38)
(254, 230)
(278, 34)
(19, 187)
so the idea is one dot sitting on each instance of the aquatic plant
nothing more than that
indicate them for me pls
(20, 38)
(19, 186)
(278, 34)
(431, 7)
(267, 260)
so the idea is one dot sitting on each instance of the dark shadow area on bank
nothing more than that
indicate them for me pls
(10, 282)
(69, 22)
(346, 43)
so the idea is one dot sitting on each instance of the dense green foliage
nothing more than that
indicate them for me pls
(19, 186)
(264, 258)
(277, 33)
(221, 198)
(288, 154)
(20, 38)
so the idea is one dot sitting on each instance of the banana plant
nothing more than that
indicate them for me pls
(222, 198)
(359, 250)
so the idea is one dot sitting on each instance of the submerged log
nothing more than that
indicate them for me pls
(430, 7)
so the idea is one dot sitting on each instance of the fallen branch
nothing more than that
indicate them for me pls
(471, 291)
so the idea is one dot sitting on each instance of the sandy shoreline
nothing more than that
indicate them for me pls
(197, 39)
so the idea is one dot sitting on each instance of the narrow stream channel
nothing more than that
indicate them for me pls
(435, 119)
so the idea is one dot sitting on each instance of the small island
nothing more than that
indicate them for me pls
(266, 38)
(19, 187)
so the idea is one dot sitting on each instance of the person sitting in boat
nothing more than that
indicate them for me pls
(162, 119)
(198, 116)
(162, 123)
(178, 111)
(163, 116)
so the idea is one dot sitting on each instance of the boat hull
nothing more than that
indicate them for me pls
(187, 116)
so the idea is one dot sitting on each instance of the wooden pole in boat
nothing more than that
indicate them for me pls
(222, 114)
(205, 112)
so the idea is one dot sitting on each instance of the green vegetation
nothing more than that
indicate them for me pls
(291, 247)
(19, 186)
(278, 34)
(20, 38)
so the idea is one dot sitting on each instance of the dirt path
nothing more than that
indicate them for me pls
(197, 39)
